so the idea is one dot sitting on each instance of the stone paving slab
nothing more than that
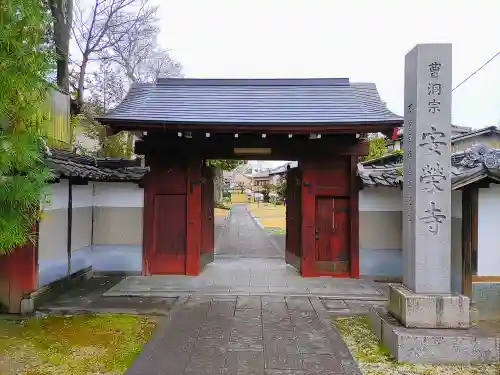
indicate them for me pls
(245, 335)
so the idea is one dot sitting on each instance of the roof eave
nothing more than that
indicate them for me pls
(306, 126)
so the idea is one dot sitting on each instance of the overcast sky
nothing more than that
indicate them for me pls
(363, 40)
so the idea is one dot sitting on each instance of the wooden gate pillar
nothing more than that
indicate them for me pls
(194, 217)
(308, 197)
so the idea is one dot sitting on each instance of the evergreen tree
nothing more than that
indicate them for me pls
(25, 61)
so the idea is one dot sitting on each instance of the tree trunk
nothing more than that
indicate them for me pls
(62, 11)
(81, 81)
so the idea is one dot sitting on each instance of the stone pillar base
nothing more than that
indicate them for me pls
(416, 310)
(434, 346)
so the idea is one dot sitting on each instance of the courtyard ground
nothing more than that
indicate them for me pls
(76, 345)
(247, 313)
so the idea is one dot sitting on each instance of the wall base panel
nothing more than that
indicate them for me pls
(117, 258)
(381, 262)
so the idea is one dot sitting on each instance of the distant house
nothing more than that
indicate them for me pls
(270, 176)
(489, 137)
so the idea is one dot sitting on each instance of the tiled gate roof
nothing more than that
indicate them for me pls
(253, 101)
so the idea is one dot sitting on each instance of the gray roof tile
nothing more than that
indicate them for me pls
(466, 167)
(68, 164)
(253, 101)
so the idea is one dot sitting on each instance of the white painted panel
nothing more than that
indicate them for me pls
(82, 195)
(57, 196)
(118, 194)
(488, 246)
(456, 204)
(380, 199)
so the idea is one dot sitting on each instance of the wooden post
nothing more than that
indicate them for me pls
(194, 213)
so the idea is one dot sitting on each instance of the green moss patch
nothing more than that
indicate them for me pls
(374, 359)
(76, 345)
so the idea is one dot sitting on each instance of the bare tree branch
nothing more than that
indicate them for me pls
(106, 24)
(140, 57)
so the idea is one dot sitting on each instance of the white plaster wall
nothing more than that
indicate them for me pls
(377, 206)
(118, 217)
(380, 228)
(118, 194)
(488, 248)
(83, 195)
(53, 235)
(57, 196)
(380, 199)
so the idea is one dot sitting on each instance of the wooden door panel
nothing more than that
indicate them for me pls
(332, 235)
(324, 222)
(170, 226)
(341, 228)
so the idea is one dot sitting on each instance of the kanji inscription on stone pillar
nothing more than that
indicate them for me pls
(427, 159)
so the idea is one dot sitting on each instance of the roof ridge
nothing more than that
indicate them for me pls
(332, 81)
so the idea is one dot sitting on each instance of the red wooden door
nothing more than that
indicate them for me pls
(293, 252)
(165, 218)
(207, 225)
(169, 234)
(332, 236)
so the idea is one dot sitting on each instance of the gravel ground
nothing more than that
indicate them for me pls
(374, 360)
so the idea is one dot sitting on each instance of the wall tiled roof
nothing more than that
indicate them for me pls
(68, 164)
(467, 167)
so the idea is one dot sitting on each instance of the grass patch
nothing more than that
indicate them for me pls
(269, 215)
(374, 359)
(76, 345)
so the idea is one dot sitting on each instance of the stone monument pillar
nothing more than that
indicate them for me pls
(425, 300)
(427, 160)
(425, 322)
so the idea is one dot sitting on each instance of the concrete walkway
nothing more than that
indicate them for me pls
(246, 335)
(247, 262)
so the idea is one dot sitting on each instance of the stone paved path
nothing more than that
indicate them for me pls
(243, 238)
(246, 335)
